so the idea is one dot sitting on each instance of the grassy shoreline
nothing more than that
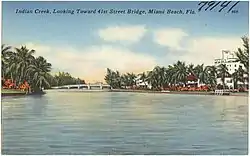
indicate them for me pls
(12, 92)
(15, 92)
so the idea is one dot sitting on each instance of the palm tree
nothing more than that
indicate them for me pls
(131, 78)
(243, 54)
(238, 77)
(191, 69)
(163, 77)
(6, 52)
(170, 75)
(223, 73)
(203, 73)
(143, 77)
(181, 72)
(157, 77)
(108, 77)
(212, 74)
(117, 79)
(152, 79)
(11, 69)
(39, 70)
(20, 65)
(198, 70)
(24, 58)
(125, 80)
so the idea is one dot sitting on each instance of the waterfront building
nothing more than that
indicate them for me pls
(232, 65)
(192, 81)
(141, 84)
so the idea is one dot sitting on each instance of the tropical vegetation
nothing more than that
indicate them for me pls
(180, 73)
(21, 68)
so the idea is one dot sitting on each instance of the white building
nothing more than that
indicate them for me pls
(140, 83)
(229, 60)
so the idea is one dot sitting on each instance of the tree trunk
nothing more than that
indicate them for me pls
(223, 82)
(40, 86)
(11, 76)
(145, 84)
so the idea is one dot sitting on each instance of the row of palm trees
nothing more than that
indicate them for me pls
(177, 74)
(173, 75)
(116, 80)
(20, 65)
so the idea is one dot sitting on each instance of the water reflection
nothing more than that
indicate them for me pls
(124, 123)
(232, 112)
(87, 107)
(17, 107)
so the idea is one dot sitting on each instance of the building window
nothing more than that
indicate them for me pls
(235, 65)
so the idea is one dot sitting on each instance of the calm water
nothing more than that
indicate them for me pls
(124, 123)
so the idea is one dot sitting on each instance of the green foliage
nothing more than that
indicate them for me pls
(238, 76)
(243, 54)
(113, 78)
(116, 80)
(177, 73)
(223, 72)
(21, 65)
(63, 78)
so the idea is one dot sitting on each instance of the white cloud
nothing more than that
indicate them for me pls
(91, 63)
(206, 49)
(130, 34)
(196, 50)
(170, 37)
(44, 49)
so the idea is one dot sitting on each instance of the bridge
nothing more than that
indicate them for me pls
(84, 86)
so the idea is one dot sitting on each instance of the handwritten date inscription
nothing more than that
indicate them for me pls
(219, 4)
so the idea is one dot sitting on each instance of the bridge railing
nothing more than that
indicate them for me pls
(101, 86)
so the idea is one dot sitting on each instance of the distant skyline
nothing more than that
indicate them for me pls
(85, 45)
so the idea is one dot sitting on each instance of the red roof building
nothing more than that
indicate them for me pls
(191, 77)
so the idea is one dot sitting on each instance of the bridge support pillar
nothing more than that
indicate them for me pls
(101, 86)
(89, 87)
(68, 87)
(78, 86)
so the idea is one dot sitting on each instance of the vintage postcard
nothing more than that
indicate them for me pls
(125, 77)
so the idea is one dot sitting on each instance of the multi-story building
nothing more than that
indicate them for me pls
(229, 60)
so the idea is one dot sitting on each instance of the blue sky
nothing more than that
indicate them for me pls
(85, 45)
